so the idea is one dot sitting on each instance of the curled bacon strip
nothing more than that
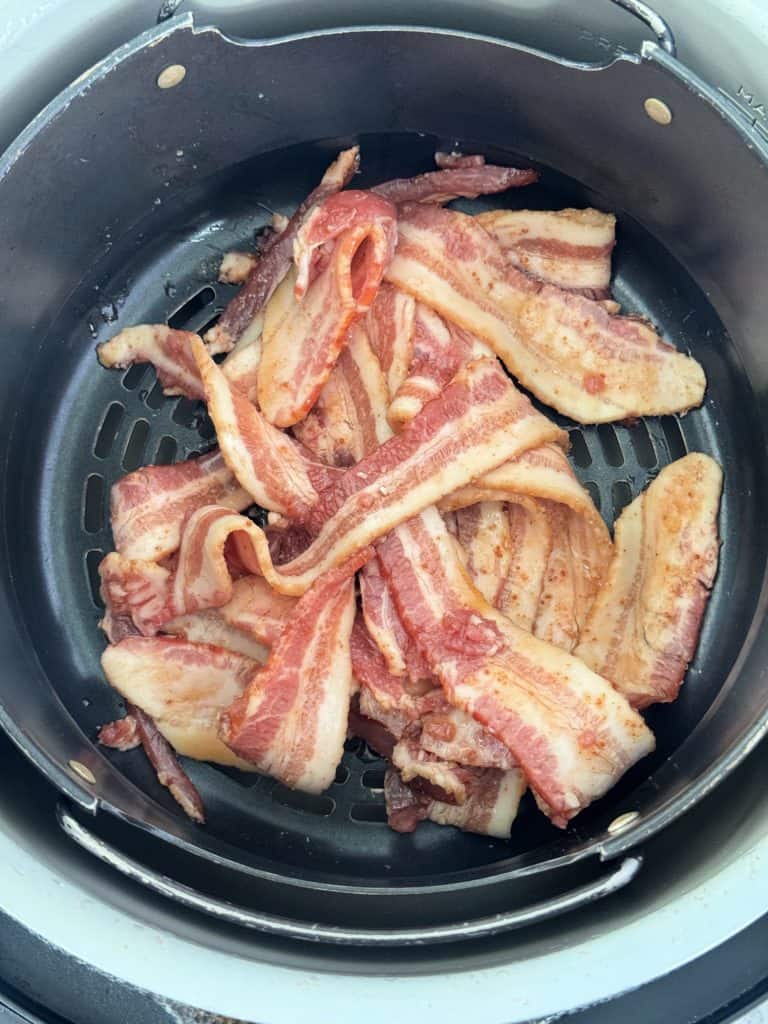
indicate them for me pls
(465, 176)
(168, 350)
(341, 253)
(275, 259)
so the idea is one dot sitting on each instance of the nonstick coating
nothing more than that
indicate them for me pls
(135, 195)
(89, 426)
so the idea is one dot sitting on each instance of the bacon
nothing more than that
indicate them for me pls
(644, 626)
(275, 259)
(292, 720)
(571, 733)
(382, 619)
(453, 735)
(444, 780)
(467, 177)
(182, 687)
(148, 507)
(168, 350)
(355, 234)
(389, 326)
(531, 542)
(235, 266)
(439, 352)
(167, 768)
(489, 809)
(122, 734)
(262, 458)
(568, 248)
(484, 533)
(136, 594)
(564, 348)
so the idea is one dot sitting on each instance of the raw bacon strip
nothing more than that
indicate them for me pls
(262, 458)
(566, 594)
(531, 542)
(182, 687)
(302, 344)
(453, 735)
(148, 507)
(122, 734)
(168, 350)
(644, 626)
(563, 347)
(389, 326)
(490, 808)
(571, 733)
(292, 720)
(136, 594)
(439, 352)
(484, 533)
(468, 177)
(209, 627)
(167, 768)
(275, 259)
(568, 248)
(382, 619)
(446, 781)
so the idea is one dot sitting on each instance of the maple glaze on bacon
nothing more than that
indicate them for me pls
(568, 248)
(571, 733)
(292, 720)
(644, 625)
(565, 348)
(149, 506)
(342, 251)
(275, 259)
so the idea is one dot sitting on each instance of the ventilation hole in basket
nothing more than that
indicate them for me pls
(366, 755)
(155, 398)
(579, 449)
(205, 428)
(92, 560)
(186, 314)
(134, 376)
(643, 445)
(610, 445)
(93, 506)
(184, 413)
(594, 493)
(373, 778)
(310, 803)
(621, 496)
(166, 451)
(353, 744)
(211, 323)
(342, 775)
(133, 456)
(369, 813)
(108, 432)
(673, 435)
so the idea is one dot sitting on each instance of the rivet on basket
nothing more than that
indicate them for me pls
(622, 822)
(171, 76)
(83, 771)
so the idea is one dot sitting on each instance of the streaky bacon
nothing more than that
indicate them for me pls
(489, 809)
(182, 687)
(389, 326)
(568, 248)
(644, 625)
(563, 347)
(122, 734)
(168, 350)
(167, 768)
(354, 234)
(275, 259)
(263, 459)
(571, 733)
(453, 735)
(292, 720)
(467, 177)
(443, 780)
(485, 537)
(531, 542)
(149, 506)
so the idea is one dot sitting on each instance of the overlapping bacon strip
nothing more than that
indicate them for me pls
(563, 347)
(644, 626)
(459, 176)
(568, 248)
(571, 733)
(341, 252)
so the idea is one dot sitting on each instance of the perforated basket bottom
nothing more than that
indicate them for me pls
(108, 423)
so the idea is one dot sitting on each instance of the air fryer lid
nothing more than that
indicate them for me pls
(135, 192)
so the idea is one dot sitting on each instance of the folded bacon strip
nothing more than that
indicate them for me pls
(168, 350)
(292, 719)
(467, 177)
(563, 347)
(275, 259)
(389, 327)
(485, 537)
(531, 542)
(341, 253)
(644, 626)
(149, 506)
(489, 809)
(568, 248)
(571, 733)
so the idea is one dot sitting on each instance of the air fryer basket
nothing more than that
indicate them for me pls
(118, 201)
